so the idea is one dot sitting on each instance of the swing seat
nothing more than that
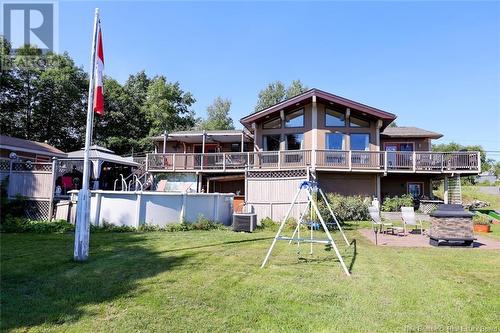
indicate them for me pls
(314, 225)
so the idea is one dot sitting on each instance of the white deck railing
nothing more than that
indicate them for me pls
(352, 160)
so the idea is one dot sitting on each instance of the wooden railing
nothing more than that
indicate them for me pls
(382, 161)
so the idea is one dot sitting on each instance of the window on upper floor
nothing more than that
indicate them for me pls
(273, 123)
(235, 147)
(295, 119)
(360, 141)
(271, 142)
(334, 118)
(335, 141)
(294, 141)
(357, 122)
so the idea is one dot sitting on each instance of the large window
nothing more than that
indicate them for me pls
(334, 118)
(356, 122)
(360, 141)
(295, 119)
(335, 141)
(271, 142)
(294, 141)
(273, 123)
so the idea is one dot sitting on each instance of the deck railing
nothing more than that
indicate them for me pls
(352, 160)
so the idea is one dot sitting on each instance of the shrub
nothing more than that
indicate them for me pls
(269, 224)
(201, 224)
(345, 208)
(394, 204)
(19, 224)
(108, 227)
(481, 219)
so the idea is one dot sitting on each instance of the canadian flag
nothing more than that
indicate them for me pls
(99, 66)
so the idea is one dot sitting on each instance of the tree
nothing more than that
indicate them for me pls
(218, 115)
(59, 114)
(10, 87)
(43, 97)
(167, 107)
(453, 146)
(496, 169)
(393, 124)
(273, 94)
(276, 92)
(295, 88)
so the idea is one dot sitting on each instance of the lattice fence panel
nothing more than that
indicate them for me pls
(37, 209)
(29, 166)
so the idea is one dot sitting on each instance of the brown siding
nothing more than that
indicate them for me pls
(392, 185)
(348, 183)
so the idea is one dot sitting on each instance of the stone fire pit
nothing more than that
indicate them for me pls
(452, 225)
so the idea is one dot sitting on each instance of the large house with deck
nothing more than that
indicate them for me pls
(348, 147)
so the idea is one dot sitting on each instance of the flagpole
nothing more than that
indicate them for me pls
(82, 229)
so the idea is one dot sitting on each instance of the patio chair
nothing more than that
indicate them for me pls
(377, 222)
(409, 219)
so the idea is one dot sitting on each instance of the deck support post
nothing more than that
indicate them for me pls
(242, 141)
(445, 192)
(314, 119)
(385, 161)
(414, 161)
(52, 188)
(378, 191)
(164, 141)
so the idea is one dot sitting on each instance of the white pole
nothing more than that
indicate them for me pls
(82, 231)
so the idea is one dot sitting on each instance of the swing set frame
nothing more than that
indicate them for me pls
(310, 187)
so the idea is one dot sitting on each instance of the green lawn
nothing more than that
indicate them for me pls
(211, 281)
(471, 193)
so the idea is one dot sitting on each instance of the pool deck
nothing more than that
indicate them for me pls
(417, 240)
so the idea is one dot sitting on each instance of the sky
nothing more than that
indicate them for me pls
(436, 65)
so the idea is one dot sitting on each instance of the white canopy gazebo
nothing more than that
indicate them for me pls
(98, 156)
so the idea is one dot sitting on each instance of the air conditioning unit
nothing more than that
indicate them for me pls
(244, 222)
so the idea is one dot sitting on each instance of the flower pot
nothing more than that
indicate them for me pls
(482, 228)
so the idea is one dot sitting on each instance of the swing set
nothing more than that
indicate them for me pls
(312, 190)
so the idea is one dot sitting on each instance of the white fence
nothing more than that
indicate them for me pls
(124, 208)
(269, 194)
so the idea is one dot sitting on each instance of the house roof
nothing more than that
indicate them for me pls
(195, 136)
(409, 132)
(103, 154)
(322, 96)
(28, 146)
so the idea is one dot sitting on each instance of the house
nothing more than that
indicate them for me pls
(27, 150)
(348, 147)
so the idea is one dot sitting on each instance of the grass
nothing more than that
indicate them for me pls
(471, 193)
(210, 281)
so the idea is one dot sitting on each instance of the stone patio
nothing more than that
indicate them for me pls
(417, 240)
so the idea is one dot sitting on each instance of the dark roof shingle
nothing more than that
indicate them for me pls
(409, 132)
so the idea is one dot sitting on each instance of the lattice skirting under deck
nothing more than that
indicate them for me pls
(278, 174)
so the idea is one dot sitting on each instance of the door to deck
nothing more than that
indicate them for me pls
(208, 160)
(399, 155)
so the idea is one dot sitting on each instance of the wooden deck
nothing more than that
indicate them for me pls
(332, 160)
